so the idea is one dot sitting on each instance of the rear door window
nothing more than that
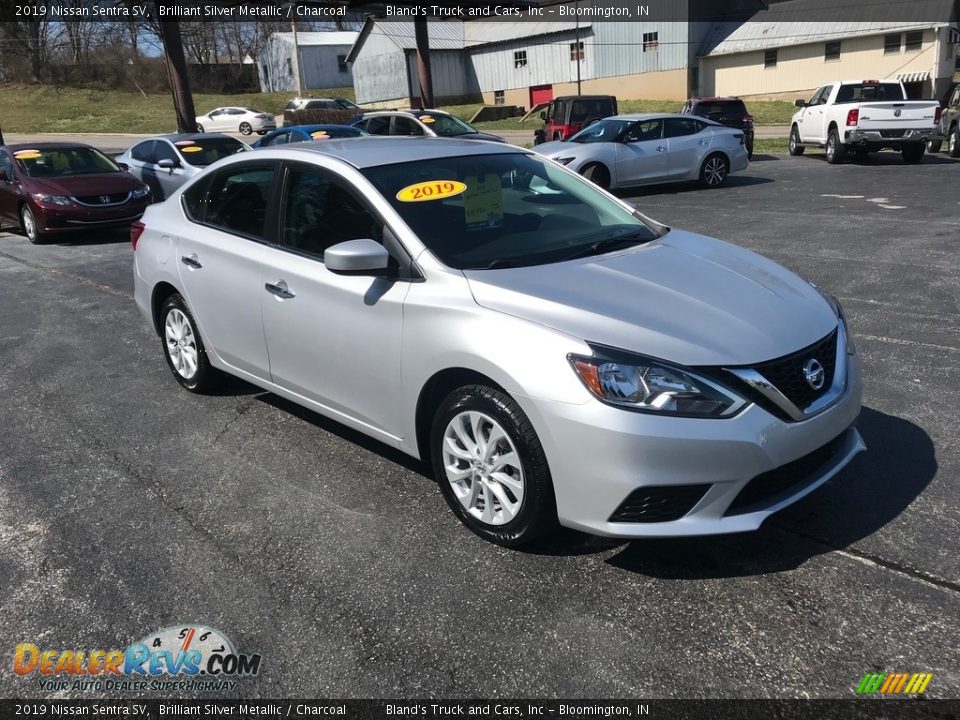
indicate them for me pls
(238, 198)
(403, 125)
(681, 127)
(379, 125)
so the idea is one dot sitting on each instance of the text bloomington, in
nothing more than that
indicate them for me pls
(564, 11)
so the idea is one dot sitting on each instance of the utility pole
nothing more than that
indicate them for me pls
(296, 49)
(424, 73)
(577, 45)
(177, 74)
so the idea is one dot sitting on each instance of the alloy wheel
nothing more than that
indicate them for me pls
(29, 224)
(715, 171)
(483, 467)
(181, 344)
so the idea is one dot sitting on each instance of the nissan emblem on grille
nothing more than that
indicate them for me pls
(104, 199)
(813, 372)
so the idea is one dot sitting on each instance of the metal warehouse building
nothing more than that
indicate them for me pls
(524, 63)
(323, 58)
(776, 56)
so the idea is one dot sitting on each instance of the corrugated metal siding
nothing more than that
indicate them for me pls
(801, 68)
(547, 63)
(449, 74)
(320, 66)
(618, 47)
(442, 35)
(380, 77)
(768, 35)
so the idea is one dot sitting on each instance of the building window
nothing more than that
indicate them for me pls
(289, 66)
(770, 58)
(499, 98)
(520, 59)
(576, 51)
(831, 51)
(651, 41)
(914, 40)
(342, 63)
(891, 43)
(266, 74)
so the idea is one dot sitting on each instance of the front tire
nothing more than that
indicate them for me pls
(835, 149)
(261, 132)
(934, 146)
(199, 128)
(913, 153)
(245, 128)
(714, 171)
(795, 147)
(183, 347)
(597, 174)
(491, 467)
(953, 148)
(28, 224)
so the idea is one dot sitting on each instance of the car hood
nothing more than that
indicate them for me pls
(684, 298)
(85, 185)
(481, 136)
(556, 148)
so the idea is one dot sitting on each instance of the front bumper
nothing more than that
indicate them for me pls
(77, 218)
(600, 455)
(889, 136)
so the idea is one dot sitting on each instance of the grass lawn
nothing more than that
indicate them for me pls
(48, 109)
(770, 146)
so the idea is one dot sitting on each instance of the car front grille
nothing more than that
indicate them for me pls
(787, 373)
(101, 200)
(659, 504)
(765, 489)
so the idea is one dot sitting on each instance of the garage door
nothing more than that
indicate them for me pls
(540, 94)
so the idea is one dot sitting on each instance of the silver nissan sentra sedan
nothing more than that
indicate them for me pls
(553, 354)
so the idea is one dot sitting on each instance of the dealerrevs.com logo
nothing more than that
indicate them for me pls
(181, 657)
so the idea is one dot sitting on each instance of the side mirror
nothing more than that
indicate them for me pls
(800, 103)
(168, 164)
(543, 116)
(122, 166)
(357, 257)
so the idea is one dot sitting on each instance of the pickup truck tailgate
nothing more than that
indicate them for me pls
(907, 115)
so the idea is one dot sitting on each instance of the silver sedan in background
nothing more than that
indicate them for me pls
(166, 162)
(633, 150)
(554, 355)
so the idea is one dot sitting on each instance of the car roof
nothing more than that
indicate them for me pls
(313, 126)
(406, 111)
(649, 116)
(715, 99)
(177, 137)
(16, 147)
(389, 150)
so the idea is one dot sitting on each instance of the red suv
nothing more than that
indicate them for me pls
(52, 188)
(568, 115)
(726, 111)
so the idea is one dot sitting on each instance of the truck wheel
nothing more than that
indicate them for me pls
(953, 149)
(835, 149)
(933, 146)
(795, 147)
(913, 153)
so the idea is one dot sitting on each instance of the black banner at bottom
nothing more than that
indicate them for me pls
(873, 709)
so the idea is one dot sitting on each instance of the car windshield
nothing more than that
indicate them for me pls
(603, 131)
(721, 109)
(346, 104)
(64, 161)
(254, 110)
(206, 151)
(506, 210)
(446, 125)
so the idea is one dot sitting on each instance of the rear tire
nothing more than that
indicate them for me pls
(183, 347)
(245, 128)
(597, 174)
(835, 150)
(934, 146)
(953, 149)
(714, 171)
(913, 153)
(519, 507)
(796, 148)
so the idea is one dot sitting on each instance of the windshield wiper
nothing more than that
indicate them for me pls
(504, 263)
(607, 244)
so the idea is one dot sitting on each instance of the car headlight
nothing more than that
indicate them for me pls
(564, 160)
(656, 387)
(140, 192)
(53, 199)
(837, 308)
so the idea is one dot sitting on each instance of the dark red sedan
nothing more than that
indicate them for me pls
(53, 188)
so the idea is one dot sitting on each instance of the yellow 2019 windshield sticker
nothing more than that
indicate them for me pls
(430, 190)
(191, 148)
(27, 154)
(320, 135)
(427, 118)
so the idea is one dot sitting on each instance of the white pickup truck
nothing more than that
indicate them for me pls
(863, 116)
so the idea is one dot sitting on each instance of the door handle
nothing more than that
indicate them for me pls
(279, 289)
(192, 261)
(661, 148)
(702, 142)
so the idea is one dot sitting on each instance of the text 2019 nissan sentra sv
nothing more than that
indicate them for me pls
(553, 354)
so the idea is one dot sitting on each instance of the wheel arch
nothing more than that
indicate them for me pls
(161, 292)
(436, 388)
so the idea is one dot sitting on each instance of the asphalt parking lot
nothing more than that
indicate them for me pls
(128, 505)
